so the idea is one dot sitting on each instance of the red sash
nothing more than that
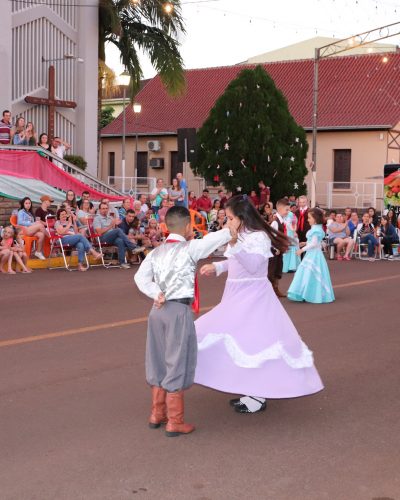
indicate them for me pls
(196, 301)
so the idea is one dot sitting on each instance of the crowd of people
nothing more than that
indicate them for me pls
(23, 134)
(137, 226)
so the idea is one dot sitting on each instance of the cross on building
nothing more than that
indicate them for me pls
(50, 102)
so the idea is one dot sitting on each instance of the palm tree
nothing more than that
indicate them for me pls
(152, 26)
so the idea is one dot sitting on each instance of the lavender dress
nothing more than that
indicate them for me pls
(247, 344)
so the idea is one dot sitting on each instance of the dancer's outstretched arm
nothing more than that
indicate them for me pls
(200, 249)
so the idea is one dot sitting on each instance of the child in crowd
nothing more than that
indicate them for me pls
(291, 260)
(312, 281)
(167, 276)
(17, 252)
(275, 264)
(153, 233)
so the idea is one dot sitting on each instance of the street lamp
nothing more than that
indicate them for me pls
(123, 80)
(333, 49)
(137, 108)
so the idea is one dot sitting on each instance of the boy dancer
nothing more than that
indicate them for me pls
(275, 264)
(167, 275)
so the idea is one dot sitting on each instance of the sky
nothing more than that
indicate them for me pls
(225, 32)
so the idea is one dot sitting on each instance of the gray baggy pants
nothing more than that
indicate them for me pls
(171, 348)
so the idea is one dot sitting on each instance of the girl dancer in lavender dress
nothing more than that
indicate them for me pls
(247, 344)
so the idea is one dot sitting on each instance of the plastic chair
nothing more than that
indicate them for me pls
(56, 243)
(30, 241)
(198, 222)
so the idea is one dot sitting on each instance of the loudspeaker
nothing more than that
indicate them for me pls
(188, 134)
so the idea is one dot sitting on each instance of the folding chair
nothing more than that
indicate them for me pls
(99, 245)
(56, 243)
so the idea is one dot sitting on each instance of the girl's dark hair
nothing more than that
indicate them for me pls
(178, 184)
(59, 212)
(216, 201)
(41, 135)
(73, 202)
(252, 221)
(22, 202)
(318, 215)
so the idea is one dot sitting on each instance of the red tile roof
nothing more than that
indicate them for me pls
(354, 92)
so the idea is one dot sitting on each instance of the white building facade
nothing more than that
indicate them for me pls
(35, 35)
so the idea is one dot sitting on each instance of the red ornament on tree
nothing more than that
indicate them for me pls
(254, 168)
(216, 178)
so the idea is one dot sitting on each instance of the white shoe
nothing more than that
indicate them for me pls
(390, 257)
(139, 249)
(39, 255)
(125, 266)
(371, 259)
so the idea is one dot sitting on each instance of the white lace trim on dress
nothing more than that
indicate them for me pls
(256, 242)
(244, 360)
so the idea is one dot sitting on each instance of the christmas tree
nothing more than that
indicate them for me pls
(249, 136)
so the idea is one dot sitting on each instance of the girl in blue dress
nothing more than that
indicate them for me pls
(312, 281)
(291, 260)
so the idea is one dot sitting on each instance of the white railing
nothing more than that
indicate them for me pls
(357, 195)
(133, 186)
(81, 175)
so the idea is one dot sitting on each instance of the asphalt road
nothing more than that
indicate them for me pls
(74, 403)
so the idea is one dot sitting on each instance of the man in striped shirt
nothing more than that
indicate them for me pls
(5, 127)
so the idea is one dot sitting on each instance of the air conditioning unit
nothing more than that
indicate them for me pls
(154, 145)
(156, 163)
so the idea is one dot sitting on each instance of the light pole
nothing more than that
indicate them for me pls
(124, 80)
(333, 49)
(137, 108)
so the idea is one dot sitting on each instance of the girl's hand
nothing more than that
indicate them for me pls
(298, 252)
(208, 270)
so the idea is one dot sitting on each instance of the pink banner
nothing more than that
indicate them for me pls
(31, 165)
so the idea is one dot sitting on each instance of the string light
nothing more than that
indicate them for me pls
(168, 7)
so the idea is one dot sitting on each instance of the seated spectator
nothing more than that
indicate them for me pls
(130, 225)
(70, 198)
(254, 199)
(373, 216)
(392, 217)
(26, 220)
(59, 148)
(43, 211)
(83, 215)
(212, 216)
(389, 237)
(122, 210)
(192, 200)
(331, 217)
(292, 200)
(347, 213)
(66, 227)
(353, 223)
(339, 235)
(5, 127)
(154, 233)
(86, 196)
(105, 226)
(5, 254)
(137, 208)
(222, 198)
(144, 207)
(366, 232)
(17, 252)
(176, 194)
(204, 204)
(162, 212)
(219, 221)
(266, 212)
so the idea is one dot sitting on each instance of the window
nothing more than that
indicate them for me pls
(342, 168)
(142, 167)
(111, 167)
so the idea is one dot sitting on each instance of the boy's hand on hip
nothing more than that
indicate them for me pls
(159, 301)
